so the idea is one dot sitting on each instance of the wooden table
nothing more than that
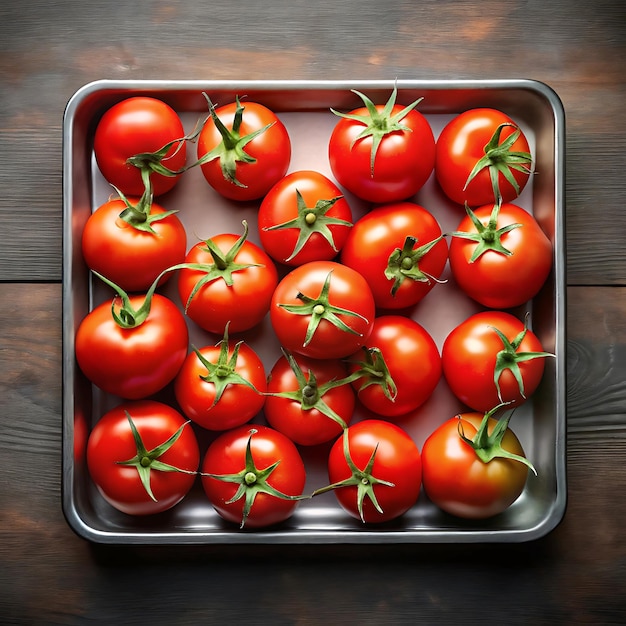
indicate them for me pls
(49, 50)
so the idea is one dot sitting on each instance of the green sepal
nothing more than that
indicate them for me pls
(379, 123)
(146, 460)
(374, 371)
(311, 220)
(363, 479)
(251, 481)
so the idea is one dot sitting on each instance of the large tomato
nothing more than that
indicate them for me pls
(382, 153)
(227, 280)
(322, 309)
(462, 483)
(143, 457)
(253, 476)
(399, 250)
(375, 471)
(243, 149)
(133, 251)
(400, 366)
(500, 256)
(140, 126)
(491, 357)
(310, 400)
(136, 359)
(482, 153)
(304, 217)
(221, 386)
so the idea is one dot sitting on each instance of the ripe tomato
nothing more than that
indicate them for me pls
(382, 153)
(399, 250)
(132, 256)
(140, 126)
(462, 483)
(322, 309)
(499, 256)
(375, 471)
(227, 280)
(490, 358)
(309, 400)
(400, 366)
(479, 150)
(253, 476)
(136, 361)
(304, 217)
(143, 457)
(243, 150)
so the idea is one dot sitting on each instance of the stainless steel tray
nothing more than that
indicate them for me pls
(304, 108)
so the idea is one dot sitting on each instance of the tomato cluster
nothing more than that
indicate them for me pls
(340, 296)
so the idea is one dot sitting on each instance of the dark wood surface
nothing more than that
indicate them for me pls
(577, 574)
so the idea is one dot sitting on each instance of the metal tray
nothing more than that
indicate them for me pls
(304, 108)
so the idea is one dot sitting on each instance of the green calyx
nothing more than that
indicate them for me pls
(500, 159)
(310, 394)
(223, 372)
(373, 370)
(320, 309)
(487, 236)
(147, 460)
(362, 479)
(377, 123)
(251, 481)
(403, 263)
(312, 220)
(489, 446)
(231, 150)
(509, 358)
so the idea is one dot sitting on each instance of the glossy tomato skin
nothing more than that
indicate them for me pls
(244, 303)
(133, 126)
(271, 151)
(414, 364)
(132, 258)
(496, 280)
(404, 160)
(238, 404)
(376, 235)
(458, 482)
(226, 455)
(132, 363)
(348, 290)
(308, 427)
(111, 441)
(280, 205)
(469, 359)
(461, 144)
(397, 460)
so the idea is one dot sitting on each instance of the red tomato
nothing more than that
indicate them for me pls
(146, 472)
(477, 361)
(408, 372)
(459, 482)
(135, 126)
(243, 150)
(132, 362)
(309, 399)
(253, 476)
(382, 153)
(222, 386)
(323, 310)
(399, 250)
(132, 257)
(304, 217)
(488, 140)
(229, 280)
(375, 471)
(499, 256)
